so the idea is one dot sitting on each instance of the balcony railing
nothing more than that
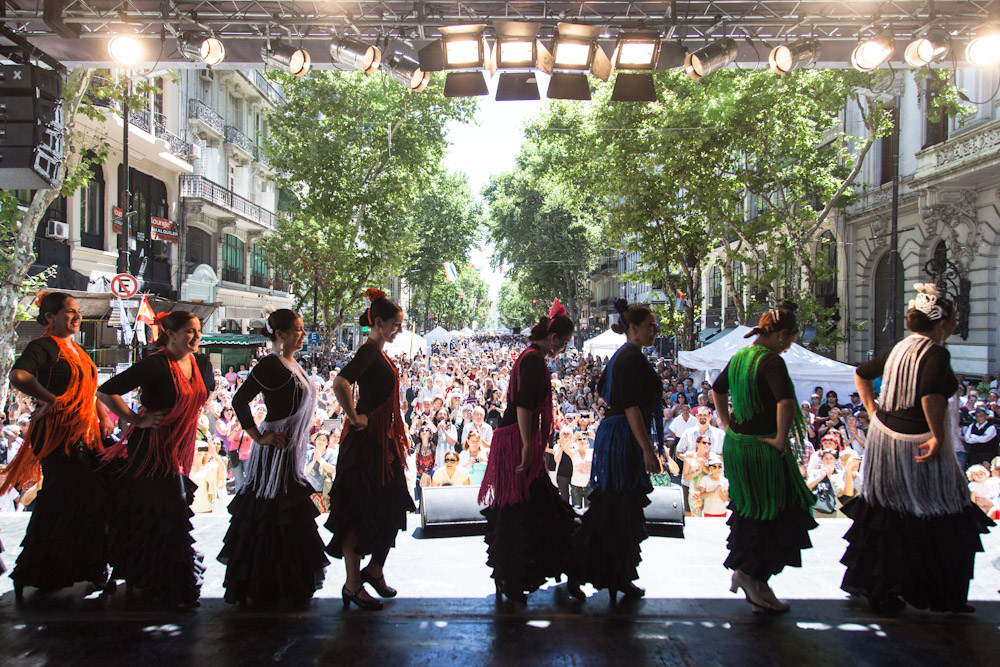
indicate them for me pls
(198, 110)
(258, 280)
(178, 146)
(199, 187)
(279, 285)
(233, 275)
(268, 89)
(237, 138)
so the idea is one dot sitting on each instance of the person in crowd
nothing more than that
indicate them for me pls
(208, 472)
(445, 435)
(704, 428)
(914, 508)
(854, 406)
(529, 528)
(713, 489)
(683, 421)
(425, 459)
(564, 461)
(480, 426)
(606, 548)
(66, 538)
(831, 423)
(321, 466)
(770, 502)
(695, 467)
(272, 551)
(831, 404)
(582, 457)
(231, 376)
(369, 499)
(807, 418)
(451, 474)
(980, 438)
(853, 435)
(150, 529)
(984, 489)
(9, 499)
(228, 429)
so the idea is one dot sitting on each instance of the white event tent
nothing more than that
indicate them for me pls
(605, 344)
(466, 331)
(438, 335)
(407, 343)
(807, 369)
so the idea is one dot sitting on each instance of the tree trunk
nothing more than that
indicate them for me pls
(24, 253)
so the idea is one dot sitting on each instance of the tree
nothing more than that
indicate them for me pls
(354, 153)
(461, 303)
(513, 308)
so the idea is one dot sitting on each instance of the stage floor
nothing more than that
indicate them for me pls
(447, 613)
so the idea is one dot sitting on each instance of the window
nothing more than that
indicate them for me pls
(233, 259)
(934, 132)
(887, 165)
(92, 210)
(200, 249)
(259, 268)
(826, 265)
(715, 288)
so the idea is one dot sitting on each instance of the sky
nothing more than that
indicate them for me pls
(487, 148)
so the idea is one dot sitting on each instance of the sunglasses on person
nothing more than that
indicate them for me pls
(714, 466)
(451, 460)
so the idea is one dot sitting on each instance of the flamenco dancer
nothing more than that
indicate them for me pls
(272, 550)
(66, 539)
(529, 526)
(369, 498)
(770, 502)
(150, 527)
(916, 532)
(606, 547)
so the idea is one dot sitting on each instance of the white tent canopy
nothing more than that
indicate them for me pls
(807, 369)
(466, 331)
(502, 330)
(407, 343)
(604, 345)
(438, 335)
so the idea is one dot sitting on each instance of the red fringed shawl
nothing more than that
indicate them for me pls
(169, 447)
(503, 485)
(70, 420)
(385, 424)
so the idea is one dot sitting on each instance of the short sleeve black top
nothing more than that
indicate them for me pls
(40, 359)
(152, 376)
(374, 376)
(773, 386)
(272, 379)
(934, 376)
(634, 382)
(532, 385)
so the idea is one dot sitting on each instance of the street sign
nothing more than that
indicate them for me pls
(314, 338)
(124, 285)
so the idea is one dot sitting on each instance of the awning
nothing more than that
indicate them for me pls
(719, 334)
(706, 333)
(97, 305)
(233, 340)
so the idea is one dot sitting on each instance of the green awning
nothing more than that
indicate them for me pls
(706, 333)
(235, 340)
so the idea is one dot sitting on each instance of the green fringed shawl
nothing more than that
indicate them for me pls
(759, 478)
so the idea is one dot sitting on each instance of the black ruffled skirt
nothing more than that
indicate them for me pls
(151, 544)
(606, 549)
(360, 502)
(762, 548)
(66, 540)
(272, 551)
(926, 561)
(529, 542)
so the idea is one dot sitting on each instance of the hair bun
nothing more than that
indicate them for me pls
(374, 294)
(620, 305)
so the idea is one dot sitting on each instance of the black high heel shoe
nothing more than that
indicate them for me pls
(613, 598)
(378, 583)
(366, 605)
(573, 588)
(633, 592)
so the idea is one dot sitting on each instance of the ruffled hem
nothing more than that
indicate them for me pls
(272, 551)
(528, 542)
(151, 544)
(928, 562)
(606, 550)
(66, 539)
(358, 501)
(762, 548)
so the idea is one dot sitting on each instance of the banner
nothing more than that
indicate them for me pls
(127, 333)
(164, 230)
(450, 274)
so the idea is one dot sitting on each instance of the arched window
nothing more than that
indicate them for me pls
(884, 300)
(200, 249)
(92, 210)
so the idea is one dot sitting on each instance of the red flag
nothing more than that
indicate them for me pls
(146, 315)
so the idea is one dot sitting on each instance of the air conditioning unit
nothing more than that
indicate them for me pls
(207, 75)
(57, 230)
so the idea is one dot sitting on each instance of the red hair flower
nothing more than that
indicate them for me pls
(373, 294)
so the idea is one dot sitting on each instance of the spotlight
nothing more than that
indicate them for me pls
(872, 53)
(706, 60)
(355, 54)
(637, 51)
(573, 54)
(407, 71)
(464, 46)
(931, 48)
(126, 50)
(984, 49)
(196, 47)
(575, 49)
(516, 46)
(800, 53)
(281, 54)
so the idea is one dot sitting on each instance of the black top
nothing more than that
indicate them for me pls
(532, 385)
(634, 382)
(152, 376)
(373, 375)
(934, 376)
(270, 377)
(39, 359)
(773, 386)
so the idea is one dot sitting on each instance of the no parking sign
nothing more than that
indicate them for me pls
(124, 285)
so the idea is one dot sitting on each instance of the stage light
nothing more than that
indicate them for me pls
(355, 54)
(566, 86)
(800, 53)
(197, 47)
(984, 49)
(637, 51)
(575, 49)
(872, 53)
(407, 71)
(634, 87)
(281, 54)
(464, 47)
(517, 86)
(931, 48)
(465, 84)
(126, 50)
(572, 54)
(514, 53)
(710, 58)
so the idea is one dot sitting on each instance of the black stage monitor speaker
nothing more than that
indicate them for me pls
(450, 506)
(666, 508)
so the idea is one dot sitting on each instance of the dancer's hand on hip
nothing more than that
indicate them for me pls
(273, 439)
(361, 423)
(781, 446)
(928, 449)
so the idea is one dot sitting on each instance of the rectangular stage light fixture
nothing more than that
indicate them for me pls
(465, 84)
(565, 86)
(517, 86)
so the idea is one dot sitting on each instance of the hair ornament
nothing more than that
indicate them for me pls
(926, 301)
(374, 294)
(267, 326)
(38, 298)
(557, 310)
(620, 305)
(158, 318)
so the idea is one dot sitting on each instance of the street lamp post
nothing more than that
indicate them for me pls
(127, 52)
